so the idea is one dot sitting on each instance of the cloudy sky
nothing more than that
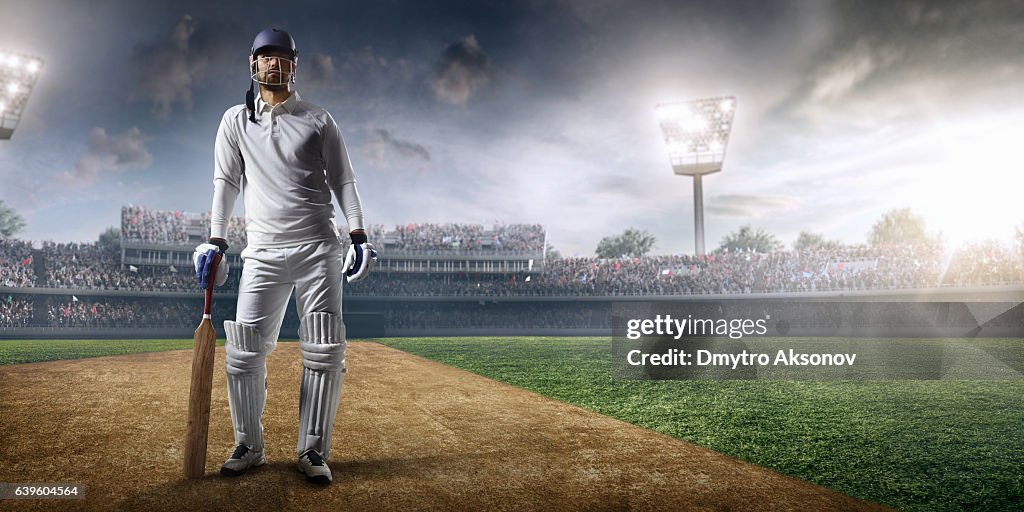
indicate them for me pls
(543, 111)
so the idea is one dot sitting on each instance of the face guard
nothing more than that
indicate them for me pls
(272, 70)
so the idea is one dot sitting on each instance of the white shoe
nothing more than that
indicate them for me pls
(314, 467)
(241, 460)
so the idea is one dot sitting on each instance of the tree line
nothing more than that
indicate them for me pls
(899, 226)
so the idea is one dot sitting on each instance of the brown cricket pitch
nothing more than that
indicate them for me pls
(411, 434)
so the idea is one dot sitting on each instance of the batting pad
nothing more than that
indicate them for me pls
(246, 365)
(322, 342)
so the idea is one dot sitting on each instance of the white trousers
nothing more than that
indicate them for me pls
(313, 270)
(268, 278)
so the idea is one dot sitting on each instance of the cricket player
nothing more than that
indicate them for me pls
(287, 156)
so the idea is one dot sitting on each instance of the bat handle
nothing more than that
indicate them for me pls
(208, 305)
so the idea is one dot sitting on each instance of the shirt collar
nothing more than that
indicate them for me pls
(288, 105)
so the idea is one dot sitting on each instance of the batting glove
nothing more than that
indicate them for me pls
(203, 259)
(360, 258)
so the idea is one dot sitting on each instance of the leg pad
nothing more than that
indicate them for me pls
(246, 366)
(322, 342)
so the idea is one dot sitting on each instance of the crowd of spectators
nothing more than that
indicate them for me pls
(78, 265)
(91, 266)
(15, 312)
(850, 268)
(236, 229)
(857, 267)
(981, 264)
(16, 264)
(122, 312)
(141, 224)
(440, 238)
(94, 267)
(171, 227)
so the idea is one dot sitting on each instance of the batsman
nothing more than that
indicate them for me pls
(286, 156)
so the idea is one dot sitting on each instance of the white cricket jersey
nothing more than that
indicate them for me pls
(286, 164)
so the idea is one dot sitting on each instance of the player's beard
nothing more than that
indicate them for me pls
(275, 87)
(275, 80)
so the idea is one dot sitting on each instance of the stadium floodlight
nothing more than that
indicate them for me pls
(696, 134)
(18, 75)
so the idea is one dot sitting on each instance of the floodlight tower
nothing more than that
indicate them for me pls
(696, 133)
(18, 74)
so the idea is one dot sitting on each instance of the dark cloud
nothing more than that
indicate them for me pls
(887, 59)
(365, 59)
(319, 69)
(380, 146)
(362, 77)
(163, 71)
(849, 69)
(462, 69)
(167, 70)
(374, 69)
(738, 205)
(121, 152)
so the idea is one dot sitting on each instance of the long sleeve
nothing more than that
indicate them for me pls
(228, 167)
(340, 176)
(351, 206)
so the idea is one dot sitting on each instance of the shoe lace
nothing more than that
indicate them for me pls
(314, 458)
(240, 451)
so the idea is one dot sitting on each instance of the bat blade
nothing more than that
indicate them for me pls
(200, 390)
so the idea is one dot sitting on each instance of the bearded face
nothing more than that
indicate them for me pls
(273, 69)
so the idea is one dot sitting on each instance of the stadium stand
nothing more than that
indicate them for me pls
(984, 264)
(441, 275)
(16, 312)
(16, 264)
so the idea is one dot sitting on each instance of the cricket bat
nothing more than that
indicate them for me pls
(204, 344)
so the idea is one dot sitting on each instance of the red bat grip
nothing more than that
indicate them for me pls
(208, 305)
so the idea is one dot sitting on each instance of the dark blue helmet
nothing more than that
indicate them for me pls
(273, 39)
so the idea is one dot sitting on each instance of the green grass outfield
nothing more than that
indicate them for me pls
(914, 445)
(32, 351)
